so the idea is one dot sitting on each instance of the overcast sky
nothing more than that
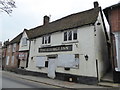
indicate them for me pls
(29, 13)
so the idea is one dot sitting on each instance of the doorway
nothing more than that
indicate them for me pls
(52, 64)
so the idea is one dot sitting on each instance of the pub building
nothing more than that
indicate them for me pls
(72, 48)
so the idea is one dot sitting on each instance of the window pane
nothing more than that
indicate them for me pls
(75, 35)
(46, 63)
(24, 41)
(12, 62)
(42, 40)
(7, 60)
(9, 48)
(49, 39)
(45, 39)
(65, 36)
(70, 35)
(14, 47)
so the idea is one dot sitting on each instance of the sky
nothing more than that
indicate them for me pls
(30, 13)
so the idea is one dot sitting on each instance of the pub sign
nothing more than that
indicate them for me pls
(56, 48)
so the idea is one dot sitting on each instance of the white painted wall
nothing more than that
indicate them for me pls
(25, 47)
(84, 45)
(101, 52)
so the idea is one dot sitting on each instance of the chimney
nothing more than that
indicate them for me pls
(96, 4)
(46, 20)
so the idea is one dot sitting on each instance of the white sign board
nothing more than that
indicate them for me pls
(40, 61)
(67, 60)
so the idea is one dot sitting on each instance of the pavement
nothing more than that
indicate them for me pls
(59, 83)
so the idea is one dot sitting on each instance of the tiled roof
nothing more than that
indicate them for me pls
(108, 9)
(16, 39)
(113, 6)
(68, 22)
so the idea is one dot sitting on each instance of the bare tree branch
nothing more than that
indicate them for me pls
(7, 6)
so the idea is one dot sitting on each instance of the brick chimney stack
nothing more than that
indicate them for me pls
(96, 4)
(46, 20)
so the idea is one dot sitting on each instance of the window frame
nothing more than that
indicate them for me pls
(24, 41)
(75, 35)
(46, 39)
(14, 47)
(13, 59)
(7, 60)
(9, 48)
(70, 35)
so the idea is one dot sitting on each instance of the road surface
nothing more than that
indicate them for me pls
(15, 82)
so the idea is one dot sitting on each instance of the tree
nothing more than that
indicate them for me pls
(7, 6)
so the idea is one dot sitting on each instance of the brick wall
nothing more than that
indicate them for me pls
(114, 18)
(10, 53)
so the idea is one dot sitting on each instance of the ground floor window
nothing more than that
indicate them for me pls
(12, 62)
(41, 61)
(68, 60)
(7, 60)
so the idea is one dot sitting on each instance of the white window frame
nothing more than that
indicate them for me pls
(24, 41)
(72, 32)
(45, 39)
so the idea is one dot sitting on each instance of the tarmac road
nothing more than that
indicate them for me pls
(14, 82)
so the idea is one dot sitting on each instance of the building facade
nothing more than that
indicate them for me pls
(24, 50)
(113, 16)
(4, 51)
(74, 47)
(12, 48)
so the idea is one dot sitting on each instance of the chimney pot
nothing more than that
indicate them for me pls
(46, 20)
(96, 4)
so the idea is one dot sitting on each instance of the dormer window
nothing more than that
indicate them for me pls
(46, 39)
(70, 35)
(24, 41)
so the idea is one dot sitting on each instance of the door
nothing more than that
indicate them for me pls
(51, 67)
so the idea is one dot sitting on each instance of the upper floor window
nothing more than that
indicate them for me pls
(46, 39)
(24, 41)
(70, 35)
(14, 47)
(9, 48)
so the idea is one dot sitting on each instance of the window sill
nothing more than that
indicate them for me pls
(45, 45)
(67, 42)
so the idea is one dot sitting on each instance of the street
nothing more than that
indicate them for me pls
(14, 82)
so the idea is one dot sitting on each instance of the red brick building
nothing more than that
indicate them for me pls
(113, 16)
(12, 48)
(4, 51)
